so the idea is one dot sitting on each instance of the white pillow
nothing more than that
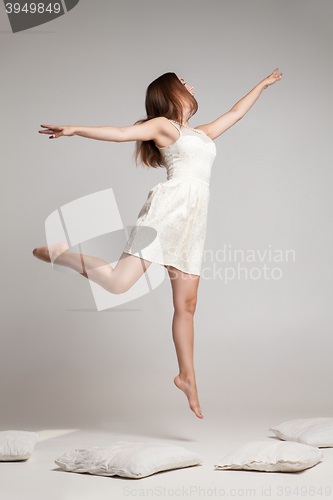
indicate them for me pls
(17, 445)
(271, 456)
(315, 431)
(126, 459)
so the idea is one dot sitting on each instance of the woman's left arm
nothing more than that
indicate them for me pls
(224, 122)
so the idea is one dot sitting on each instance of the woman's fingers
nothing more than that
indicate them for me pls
(51, 127)
(54, 130)
(274, 72)
(277, 76)
(58, 130)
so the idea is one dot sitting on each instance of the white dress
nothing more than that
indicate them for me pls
(171, 226)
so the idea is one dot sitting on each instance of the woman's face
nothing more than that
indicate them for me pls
(188, 87)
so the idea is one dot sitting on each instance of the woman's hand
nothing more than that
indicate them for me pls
(58, 131)
(274, 77)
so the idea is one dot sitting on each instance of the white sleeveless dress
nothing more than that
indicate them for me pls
(171, 226)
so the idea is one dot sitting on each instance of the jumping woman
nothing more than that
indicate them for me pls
(175, 210)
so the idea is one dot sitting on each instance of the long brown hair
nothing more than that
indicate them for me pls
(164, 97)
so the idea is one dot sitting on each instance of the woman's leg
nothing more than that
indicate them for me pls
(184, 288)
(119, 280)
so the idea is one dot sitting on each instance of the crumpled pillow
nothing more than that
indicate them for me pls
(125, 459)
(17, 445)
(314, 431)
(279, 456)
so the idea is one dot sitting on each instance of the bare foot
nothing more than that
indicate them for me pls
(190, 390)
(49, 254)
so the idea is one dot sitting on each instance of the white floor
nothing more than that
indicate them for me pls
(39, 478)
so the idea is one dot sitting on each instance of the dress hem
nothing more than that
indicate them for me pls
(161, 264)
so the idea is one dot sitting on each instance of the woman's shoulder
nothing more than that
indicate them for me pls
(202, 128)
(164, 125)
(159, 119)
(162, 121)
(166, 132)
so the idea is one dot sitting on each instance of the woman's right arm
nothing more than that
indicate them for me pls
(149, 130)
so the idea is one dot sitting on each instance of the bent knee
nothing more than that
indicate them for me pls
(117, 285)
(119, 289)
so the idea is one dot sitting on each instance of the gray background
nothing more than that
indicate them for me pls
(262, 347)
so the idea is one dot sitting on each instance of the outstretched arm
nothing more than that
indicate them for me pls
(150, 130)
(221, 124)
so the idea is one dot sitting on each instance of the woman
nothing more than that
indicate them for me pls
(171, 226)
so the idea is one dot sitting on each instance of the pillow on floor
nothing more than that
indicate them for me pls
(17, 445)
(314, 431)
(126, 459)
(271, 457)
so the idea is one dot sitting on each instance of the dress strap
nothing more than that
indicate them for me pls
(176, 125)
